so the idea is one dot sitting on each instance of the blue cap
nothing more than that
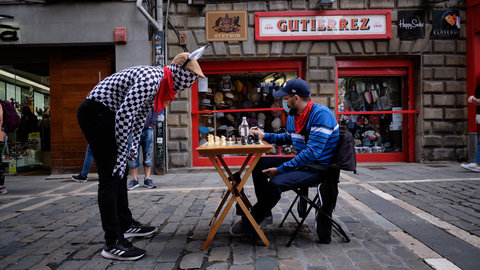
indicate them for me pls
(294, 87)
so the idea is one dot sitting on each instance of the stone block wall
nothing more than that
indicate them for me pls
(440, 69)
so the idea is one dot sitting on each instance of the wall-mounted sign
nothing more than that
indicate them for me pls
(445, 24)
(411, 24)
(8, 30)
(226, 25)
(315, 25)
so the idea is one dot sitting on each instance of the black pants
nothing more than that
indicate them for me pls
(98, 125)
(268, 192)
(2, 169)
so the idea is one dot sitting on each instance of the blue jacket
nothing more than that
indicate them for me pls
(151, 120)
(315, 144)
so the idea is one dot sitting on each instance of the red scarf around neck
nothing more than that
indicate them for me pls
(301, 119)
(165, 93)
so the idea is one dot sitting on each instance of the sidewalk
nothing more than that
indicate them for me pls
(398, 216)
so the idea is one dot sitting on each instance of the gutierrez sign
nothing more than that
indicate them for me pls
(318, 25)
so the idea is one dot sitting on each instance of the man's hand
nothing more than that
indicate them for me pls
(257, 131)
(271, 172)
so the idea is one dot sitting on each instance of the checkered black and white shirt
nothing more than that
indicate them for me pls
(130, 94)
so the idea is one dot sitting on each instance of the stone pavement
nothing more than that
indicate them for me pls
(398, 216)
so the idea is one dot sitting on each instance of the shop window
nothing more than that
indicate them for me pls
(232, 91)
(31, 140)
(374, 102)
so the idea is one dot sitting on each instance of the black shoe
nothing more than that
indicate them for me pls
(137, 229)
(122, 250)
(79, 178)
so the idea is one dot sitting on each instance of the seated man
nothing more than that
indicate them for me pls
(313, 131)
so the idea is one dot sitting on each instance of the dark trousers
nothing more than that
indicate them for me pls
(98, 125)
(2, 169)
(268, 192)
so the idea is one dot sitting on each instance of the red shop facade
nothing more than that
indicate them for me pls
(394, 94)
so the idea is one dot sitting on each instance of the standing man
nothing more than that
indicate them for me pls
(475, 165)
(313, 131)
(117, 105)
(146, 141)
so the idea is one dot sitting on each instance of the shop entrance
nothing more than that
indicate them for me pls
(46, 86)
(237, 89)
(375, 103)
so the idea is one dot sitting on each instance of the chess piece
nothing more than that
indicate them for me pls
(255, 139)
(223, 141)
(243, 140)
(250, 139)
(210, 140)
(235, 139)
(230, 142)
(217, 140)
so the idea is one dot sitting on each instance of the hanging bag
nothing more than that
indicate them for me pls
(10, 116)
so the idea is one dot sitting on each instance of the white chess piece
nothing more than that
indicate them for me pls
(223, 140)
(230, 141)
(217, 140)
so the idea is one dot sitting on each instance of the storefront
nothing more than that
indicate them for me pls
(398, 87)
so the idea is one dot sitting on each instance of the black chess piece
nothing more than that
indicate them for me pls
(255, 139)
(234, 139)
(250, 139)
(243, 140)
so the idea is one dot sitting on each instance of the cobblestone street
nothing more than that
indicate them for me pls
(55, 224)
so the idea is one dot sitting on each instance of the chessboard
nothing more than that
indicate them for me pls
(222, 141)
(221, 145)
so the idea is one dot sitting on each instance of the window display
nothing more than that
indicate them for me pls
(225, 99)
(27, 144)
(374, 131)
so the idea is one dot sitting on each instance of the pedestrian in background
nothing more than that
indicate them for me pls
(87, 165)
(475, 166)
(146, 141)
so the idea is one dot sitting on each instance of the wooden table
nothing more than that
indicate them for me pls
(234, 189)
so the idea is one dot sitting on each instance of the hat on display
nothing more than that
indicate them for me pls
(229, 95)
(277, 112)
(230, 117)
(218, 97)
(276, 124)
(220, 114)
(230, 129)
(203, 129)
(211, 129)
(238, 85)
(206, 102)
(189, 61)
(294, 87)
(261, 116)
(209, 90)
(202, 141)
(222, 127)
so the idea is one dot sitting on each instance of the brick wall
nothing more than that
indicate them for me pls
(440, 69)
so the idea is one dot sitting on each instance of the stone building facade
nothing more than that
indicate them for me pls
(439, 69)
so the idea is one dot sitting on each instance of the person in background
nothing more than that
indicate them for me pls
(475, 165)
(87, 165)
(146, 141)
(3, 189)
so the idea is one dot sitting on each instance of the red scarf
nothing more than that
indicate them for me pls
(301, 119)
(165, 93)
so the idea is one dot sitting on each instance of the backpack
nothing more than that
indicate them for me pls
(10, 116)
(344, 157)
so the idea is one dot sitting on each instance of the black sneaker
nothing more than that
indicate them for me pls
(238, 229)
(148, 183)
(79, 178)
(122, 250)
(137, 229)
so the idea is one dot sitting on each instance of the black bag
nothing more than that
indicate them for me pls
(344, 157)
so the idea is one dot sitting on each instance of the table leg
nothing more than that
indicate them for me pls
(244, 208)
(242, 194)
